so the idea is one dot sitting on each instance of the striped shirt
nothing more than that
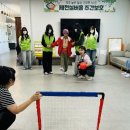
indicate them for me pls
(5, 98)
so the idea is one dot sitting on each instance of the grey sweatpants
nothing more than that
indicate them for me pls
(26, 59)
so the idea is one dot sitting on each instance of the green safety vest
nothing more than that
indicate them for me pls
(77, 47)
(91, 43)
(48, 41)
(25, 44)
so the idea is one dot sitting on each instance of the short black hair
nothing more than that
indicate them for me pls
(83, 48)
(6, 73)
(77, 26)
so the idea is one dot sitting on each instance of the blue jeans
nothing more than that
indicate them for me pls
(91, 54)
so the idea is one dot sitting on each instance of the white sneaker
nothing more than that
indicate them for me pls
(86, 76)
(89, 78)
(51, 72)
(24, 68)
(45, 73)
(81, 77)
(127, 75)
(65, 73)
(62, 69)
(124, 73)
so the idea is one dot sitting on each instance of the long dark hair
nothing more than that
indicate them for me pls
(6, 73)
(24, 35)
(91, 28)
(76, 34)
(49, 26)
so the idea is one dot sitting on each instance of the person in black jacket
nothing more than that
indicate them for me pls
(78, 38)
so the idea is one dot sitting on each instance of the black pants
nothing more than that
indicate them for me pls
(90, 71)
(6, 119)
(47, 62)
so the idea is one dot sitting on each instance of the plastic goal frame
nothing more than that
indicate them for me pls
(72, 94)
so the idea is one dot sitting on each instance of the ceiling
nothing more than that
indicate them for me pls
(12, 4)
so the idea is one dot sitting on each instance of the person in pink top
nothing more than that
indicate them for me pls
(85, 65)
(64, 44)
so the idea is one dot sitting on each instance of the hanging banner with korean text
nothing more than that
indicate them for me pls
(79, 5)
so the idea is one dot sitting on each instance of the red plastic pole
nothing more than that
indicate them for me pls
(39, 114)
(100, 112)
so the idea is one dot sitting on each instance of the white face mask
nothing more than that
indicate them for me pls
(24, 32)
(49, 30)
(92, 31)
(76, 30)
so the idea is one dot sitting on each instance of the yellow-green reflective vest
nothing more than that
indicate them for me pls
(25, 44)
(77, 47)
(91, 43)
(48, 41)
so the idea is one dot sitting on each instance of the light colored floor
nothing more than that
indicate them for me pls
(108, 79)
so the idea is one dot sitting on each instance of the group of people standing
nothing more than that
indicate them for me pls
(85, 49)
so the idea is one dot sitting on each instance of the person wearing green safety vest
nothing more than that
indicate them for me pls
(91, 43)
(78, 38)
(47, 39)
(25, 45)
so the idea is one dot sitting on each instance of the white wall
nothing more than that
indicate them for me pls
(4, 47)
(25, 14)
(128, 27)
(112, 24)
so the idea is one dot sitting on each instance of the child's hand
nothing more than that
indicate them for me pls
(36, 96)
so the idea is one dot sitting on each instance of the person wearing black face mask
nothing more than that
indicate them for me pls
(47, 39)
(78, 38)
(25, 45)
